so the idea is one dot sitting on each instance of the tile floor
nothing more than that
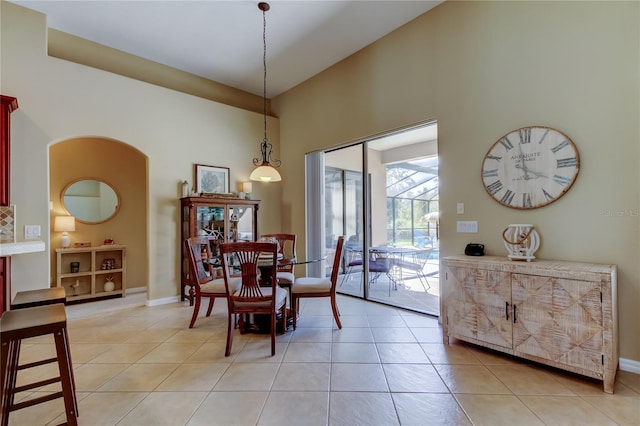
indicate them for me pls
(137, 365)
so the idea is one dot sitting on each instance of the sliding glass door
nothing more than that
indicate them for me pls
(344, 212)
(382, 195)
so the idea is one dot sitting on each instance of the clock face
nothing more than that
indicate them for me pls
(530, 167)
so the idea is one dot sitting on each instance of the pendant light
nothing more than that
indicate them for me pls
(266, 170)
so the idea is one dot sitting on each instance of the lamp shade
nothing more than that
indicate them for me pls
(265, 173)
(247, 187)
(64, 224)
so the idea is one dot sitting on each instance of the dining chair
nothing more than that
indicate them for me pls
(201, 277)
(318, 287)
(287, 248)
(250, 298)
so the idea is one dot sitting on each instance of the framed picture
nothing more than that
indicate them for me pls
(211, 179)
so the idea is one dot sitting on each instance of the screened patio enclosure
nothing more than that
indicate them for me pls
(412, 203)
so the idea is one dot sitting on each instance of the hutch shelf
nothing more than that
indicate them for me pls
(86, 273)
(223, 219)
(562, 314)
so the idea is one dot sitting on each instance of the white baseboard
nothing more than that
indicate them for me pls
(164, 301)
(630, 365)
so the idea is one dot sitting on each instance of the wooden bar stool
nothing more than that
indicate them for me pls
(31, 322)
(46, 296)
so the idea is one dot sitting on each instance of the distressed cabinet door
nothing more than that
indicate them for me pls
(461, 295)
(477, 303)
(559, 320)
(493, 305)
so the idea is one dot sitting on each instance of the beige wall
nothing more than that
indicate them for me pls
(125, 170)
(60, 100)
(482, 69)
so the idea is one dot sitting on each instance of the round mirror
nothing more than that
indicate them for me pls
(90, 200)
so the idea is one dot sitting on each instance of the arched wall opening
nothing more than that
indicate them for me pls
(126, 170)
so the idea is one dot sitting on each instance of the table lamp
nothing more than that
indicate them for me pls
(65, 224)
(246, 188)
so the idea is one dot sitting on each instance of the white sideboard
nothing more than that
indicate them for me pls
(563, 314)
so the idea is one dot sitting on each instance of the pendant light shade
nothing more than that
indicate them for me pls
(266, 170)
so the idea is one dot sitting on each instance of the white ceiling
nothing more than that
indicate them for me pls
(222, 40)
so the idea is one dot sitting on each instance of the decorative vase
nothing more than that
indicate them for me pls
(521, 241)
(109, 285)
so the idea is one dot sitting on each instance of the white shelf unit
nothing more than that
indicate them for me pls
(88, 282)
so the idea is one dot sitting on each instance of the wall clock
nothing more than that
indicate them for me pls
(530, 167)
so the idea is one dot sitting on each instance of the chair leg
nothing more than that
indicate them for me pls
(423, 280)
(334, 307)
(210, 308)
(65, 339)
(294, 310)
(283, 310)
(230, 330)
(196, 310)
(10, 351)
(273, 333)
(64, 366)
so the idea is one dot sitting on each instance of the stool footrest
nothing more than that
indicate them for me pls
(35, 385)
(34, 401)
(37, 363)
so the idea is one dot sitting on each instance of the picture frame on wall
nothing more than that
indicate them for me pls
(212, 179)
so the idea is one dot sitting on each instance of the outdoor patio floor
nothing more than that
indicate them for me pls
(410, 292)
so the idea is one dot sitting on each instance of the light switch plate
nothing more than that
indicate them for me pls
(467, 226)
(31, 232)
(460, 208)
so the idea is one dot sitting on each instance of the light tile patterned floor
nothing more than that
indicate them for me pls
(137, 365)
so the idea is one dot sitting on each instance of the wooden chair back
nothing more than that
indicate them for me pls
(198, 256)
(287, 247)
(247, 258)
(336, 263)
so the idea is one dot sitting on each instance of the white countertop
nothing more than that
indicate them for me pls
(20, 247)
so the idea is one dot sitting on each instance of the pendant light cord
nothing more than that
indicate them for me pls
(264, 68)
(265, 146)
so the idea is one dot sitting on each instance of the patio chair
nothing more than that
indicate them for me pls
(380, 263)
(251, 298)
(353, 259)
(414, 263)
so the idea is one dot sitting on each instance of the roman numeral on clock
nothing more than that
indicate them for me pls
(564, 181)
(525, 135)
(526, 200)
(560, 146)
(544, 135)
(507, 197)
(494, 157)
(567, 162)
(506, 143)
(547, 195)
(494, 187)
(490, 173)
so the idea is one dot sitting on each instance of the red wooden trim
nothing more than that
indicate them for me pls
(8, 104)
